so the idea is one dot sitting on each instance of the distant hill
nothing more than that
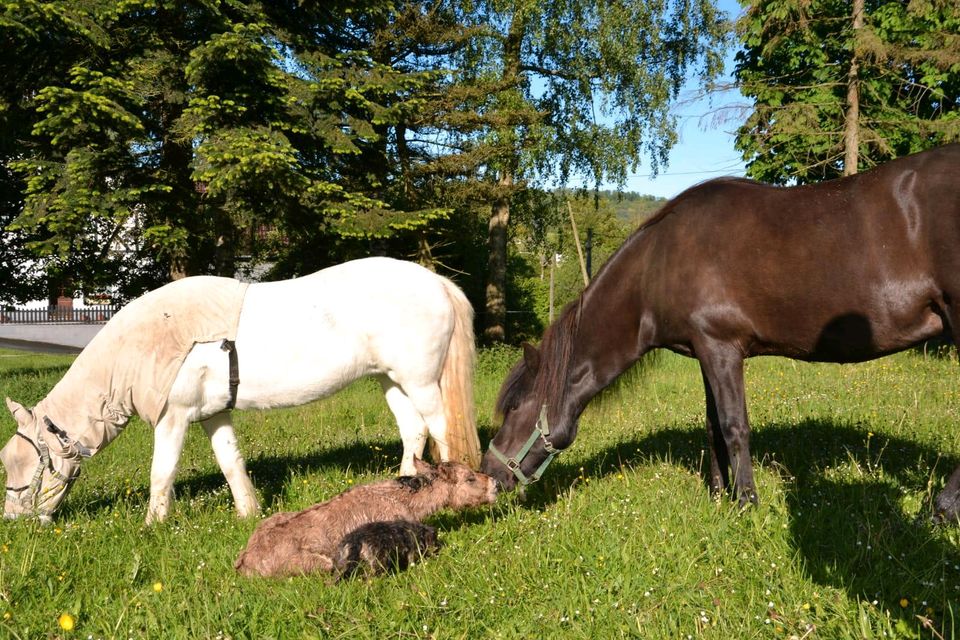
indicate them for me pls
(632, 208)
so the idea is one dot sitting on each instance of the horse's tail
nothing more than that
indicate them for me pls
(456, 384)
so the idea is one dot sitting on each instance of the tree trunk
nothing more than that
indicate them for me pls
(851, 134)
(495, 324)
(175, 158)
(495, 321)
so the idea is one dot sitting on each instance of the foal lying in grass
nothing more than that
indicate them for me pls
(291, 543)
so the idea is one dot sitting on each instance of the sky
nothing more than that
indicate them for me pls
(706, 127)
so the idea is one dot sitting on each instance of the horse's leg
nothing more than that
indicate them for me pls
(428, 402)
(722, 366)
(224, 443)
(947, 503)
(168, 437)
(413, 428)
(719, 478)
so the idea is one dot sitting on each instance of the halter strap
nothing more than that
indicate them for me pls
(73, 450)
(73, 446)
(43, 454)
(541, 430)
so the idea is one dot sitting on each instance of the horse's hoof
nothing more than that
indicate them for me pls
(940, 518)
(747, 500)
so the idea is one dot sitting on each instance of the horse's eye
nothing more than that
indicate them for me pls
(472, 479)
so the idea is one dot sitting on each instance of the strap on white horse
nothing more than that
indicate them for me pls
(231, 348)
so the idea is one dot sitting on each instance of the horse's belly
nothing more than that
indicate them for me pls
(855, 337)
(275, 375)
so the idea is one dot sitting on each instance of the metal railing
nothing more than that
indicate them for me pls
(54, 315)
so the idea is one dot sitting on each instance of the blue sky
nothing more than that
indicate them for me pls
(706, 129)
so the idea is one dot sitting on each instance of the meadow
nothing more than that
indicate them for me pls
(620, 538)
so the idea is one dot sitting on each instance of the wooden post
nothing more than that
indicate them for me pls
(576, 241)
(553, 259)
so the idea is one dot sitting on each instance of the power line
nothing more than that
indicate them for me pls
(683, 173)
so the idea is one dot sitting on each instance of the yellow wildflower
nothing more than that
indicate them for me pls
(66, 621)
(157, 587)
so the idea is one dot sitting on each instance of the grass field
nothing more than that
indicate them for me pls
(620, 539)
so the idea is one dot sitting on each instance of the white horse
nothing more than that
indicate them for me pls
(294, 341)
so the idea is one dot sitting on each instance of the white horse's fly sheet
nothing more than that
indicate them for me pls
(137, 355)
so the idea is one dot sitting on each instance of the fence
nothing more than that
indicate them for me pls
(58, 315)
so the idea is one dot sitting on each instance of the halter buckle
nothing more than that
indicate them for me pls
(541, 430)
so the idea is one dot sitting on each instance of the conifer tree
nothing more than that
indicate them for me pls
(840, 87)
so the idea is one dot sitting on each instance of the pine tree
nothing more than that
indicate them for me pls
(840, 86)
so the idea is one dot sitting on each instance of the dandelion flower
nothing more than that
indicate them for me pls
(904, 603)
(66, 621)
(157, 587)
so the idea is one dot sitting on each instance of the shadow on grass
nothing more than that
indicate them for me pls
(851, 528)
(272, 473)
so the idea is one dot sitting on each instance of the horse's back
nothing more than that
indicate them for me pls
(311, 336)
(841, 270)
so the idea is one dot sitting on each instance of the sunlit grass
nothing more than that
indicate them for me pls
(620, 539)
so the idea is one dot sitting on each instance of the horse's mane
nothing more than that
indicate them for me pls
(696, 190)
(555, 351)
(672, 206)
(556, 348)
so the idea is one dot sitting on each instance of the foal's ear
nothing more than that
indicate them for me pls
(531, 357)
(20, 413)
(447, 472)
(422, 467)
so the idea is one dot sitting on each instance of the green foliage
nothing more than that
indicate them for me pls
(196, 136)
(619, 539)
(548, 236)
(193, 127)
(795, 62)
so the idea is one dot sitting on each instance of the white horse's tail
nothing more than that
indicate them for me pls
(456, 384)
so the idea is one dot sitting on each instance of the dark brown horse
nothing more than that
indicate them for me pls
(842, 271)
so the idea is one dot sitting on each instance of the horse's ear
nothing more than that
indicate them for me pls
(531, 357)
(20, 413)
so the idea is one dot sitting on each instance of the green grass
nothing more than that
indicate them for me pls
(620, 539)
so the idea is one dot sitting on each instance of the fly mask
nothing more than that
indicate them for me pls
(41, 462)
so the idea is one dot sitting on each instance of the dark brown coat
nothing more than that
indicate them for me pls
(842, 271)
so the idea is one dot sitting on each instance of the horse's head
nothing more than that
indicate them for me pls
(527, 440)
(39, 472)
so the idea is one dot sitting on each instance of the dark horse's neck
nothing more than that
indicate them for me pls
(597, 337)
